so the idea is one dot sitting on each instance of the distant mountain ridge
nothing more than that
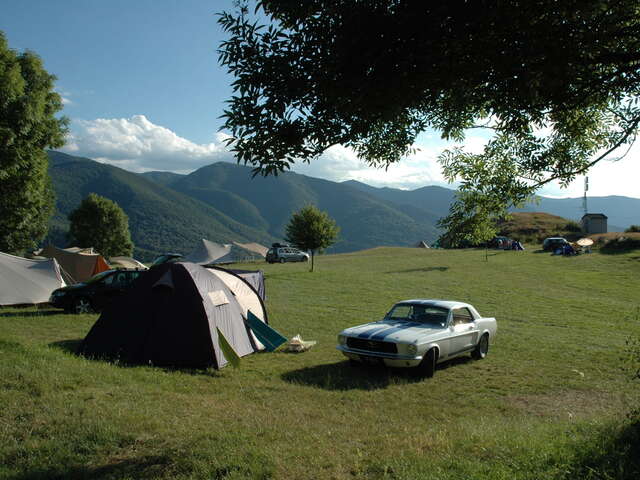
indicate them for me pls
(223, 203)
(160, 219)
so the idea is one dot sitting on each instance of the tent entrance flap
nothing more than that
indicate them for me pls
(270, 338)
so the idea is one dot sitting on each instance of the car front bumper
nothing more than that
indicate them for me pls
(388, 359)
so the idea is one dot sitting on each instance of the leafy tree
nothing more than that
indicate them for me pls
(28, 125)
(99, 222)
(555, 84)
(632, 229)
(311, 229)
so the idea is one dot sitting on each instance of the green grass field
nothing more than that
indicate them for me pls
(549, 402)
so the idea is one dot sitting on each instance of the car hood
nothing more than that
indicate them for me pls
(70, 288)
(393, 331)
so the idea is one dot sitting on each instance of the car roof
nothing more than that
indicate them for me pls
(448, 304)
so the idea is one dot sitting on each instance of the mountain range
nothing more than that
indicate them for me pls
(223, 202)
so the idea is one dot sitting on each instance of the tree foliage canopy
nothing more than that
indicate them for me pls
(556, 83)
(311, 229)
(100, 223)
(28, 125)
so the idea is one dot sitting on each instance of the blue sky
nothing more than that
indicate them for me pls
(144, 91)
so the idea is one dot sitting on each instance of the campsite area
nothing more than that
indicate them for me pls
(550, 400)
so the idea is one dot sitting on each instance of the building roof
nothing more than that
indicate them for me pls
(594, 215)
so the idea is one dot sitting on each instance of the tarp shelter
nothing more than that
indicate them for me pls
(255, 278)
(79, 266)
(253, 248)
(25, 281)
(172, 315)
(209, 253)
(421, 244)
(127, 262)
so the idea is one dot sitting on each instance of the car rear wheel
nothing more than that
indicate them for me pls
(282, 260)
(427, 367)
(482, 348)
(82, 305)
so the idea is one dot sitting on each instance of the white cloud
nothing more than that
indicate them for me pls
(64, 96)
(137, 144)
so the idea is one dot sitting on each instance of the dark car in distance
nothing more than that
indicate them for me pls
(553, 243)
(96, 293)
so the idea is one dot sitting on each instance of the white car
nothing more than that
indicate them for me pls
(420, 333)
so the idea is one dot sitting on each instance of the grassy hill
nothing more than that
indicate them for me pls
(160, 219)
(534, 227)
(549, 401)
(267, 203)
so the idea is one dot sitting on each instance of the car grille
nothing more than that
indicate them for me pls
(372, 345)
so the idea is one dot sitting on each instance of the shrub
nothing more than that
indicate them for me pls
(621, 243)
(632, 229)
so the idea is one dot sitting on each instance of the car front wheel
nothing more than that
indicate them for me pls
(427, 367)
(282, 260)
(82, 305)
(482, 348)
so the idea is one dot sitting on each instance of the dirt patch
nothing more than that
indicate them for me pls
(568, 404)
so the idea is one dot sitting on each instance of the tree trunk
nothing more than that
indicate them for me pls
(312, 256)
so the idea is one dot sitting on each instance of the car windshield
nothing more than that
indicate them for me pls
(427, 314)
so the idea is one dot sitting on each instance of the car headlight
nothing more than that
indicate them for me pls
(412, 349)
(342, 339)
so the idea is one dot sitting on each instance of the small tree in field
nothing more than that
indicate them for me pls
(312, 229)
(99, 222)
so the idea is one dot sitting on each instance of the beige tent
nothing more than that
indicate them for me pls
(24, 281)
(253, 248)
(209, 253)
(79, 267)
(126, 262)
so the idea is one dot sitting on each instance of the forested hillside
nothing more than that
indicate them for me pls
(160, 219)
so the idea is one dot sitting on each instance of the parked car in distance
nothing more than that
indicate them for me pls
(420, 333)
(96, 293)
(552, 243)
(286, 254)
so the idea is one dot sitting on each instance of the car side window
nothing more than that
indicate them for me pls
(120, 279)
(462, 316)
(108, 280)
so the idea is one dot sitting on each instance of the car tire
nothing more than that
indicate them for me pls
(427, 367)
(82, 305)
(282, 260)
(305, 259)
(482, 348)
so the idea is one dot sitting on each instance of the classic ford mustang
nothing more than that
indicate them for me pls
(420, 333)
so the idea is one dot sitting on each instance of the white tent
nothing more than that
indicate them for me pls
(421, 244)
(207, 253)
(25, 281)
(127, 262)
(254, 248)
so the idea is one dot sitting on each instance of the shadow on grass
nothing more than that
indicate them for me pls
(35, 313)
(425, 269)
(142, 468)
(73, 347)
(70, 346)
(355, 376)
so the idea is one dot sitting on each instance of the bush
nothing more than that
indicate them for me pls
(621, 244)
(632, 229)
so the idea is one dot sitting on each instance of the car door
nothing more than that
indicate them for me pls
(115, 285)
(465, 330)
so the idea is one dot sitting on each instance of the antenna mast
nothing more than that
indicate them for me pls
(584, 199)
